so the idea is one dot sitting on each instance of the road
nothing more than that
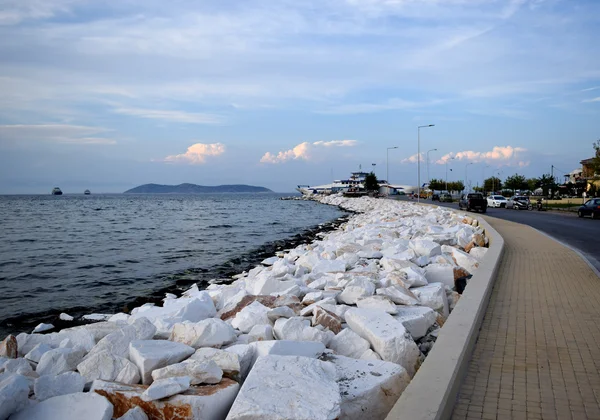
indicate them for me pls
(583, 234)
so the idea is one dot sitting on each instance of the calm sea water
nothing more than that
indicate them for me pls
(80, 254)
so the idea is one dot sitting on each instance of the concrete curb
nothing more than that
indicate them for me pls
(432, 393)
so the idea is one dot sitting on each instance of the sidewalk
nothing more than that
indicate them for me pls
(538, 352)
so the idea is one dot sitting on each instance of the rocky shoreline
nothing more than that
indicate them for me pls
(331, 329)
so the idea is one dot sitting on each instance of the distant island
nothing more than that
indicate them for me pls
(195, 189)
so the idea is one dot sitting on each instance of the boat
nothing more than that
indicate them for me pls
(87, 192)
(56, 191)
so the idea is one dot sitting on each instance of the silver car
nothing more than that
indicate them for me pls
(496, 201)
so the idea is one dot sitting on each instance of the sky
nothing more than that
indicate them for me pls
(108, 95)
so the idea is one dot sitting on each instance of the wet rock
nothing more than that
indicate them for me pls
(198, 372)
(348, 343)
(210, 332)
(49, 386)
(57, 361)
(8, 347)
(288, 388)
(43, 327)
(327, 319)
(149, 355)
(88, 406)
(65, 317)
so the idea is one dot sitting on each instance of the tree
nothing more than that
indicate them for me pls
(547, 183)
(371, 182)
(492, 184)
(515, 182)
(596, 160)
(532, 183)
(437, 184)
(456, 186)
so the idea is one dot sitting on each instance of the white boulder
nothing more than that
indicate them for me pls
(260, 333)
(358, 288)
(251, 315)
(109, 367)
(49, 386)
(14, 393)
(478, 252)
(426, 248)
(280, 312)
(312, 349)
(162, 388)
(433, 296)
(198, 372)
(228, 360)
(88, 406)
(210, 332)
(348, 343)
(136, 413)
(329, 266)
(440, 273)
(117, 342)
(42, 327)
(383, 303)
(399, 295)
(35, 354)
(149, 355)
(416, 319)
(57, 361)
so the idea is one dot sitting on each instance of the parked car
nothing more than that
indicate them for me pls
(519, 202)
(445, 198)
(473, 201)
(435, 197)
(496, 201)
(590, 208)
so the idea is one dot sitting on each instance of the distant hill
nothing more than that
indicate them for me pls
(194, 189)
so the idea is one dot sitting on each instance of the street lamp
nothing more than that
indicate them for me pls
(466, 167)
(483, 175)
(447, 173)
(419, 159)
(428, 178)
(387, 164)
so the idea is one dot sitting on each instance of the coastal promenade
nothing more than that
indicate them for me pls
(538, 352)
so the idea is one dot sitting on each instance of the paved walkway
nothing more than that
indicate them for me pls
(538, 352)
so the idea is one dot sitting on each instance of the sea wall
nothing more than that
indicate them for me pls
(332, 329)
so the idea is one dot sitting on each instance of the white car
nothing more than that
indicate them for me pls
(496, 201)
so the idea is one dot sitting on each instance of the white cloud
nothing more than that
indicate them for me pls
(16, 11)
(305, 151)
(197, 153)
(592, 100)
(54, 133)
(172, 116)
(498, 154)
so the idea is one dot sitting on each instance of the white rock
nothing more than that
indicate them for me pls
(251, 315)
(312, 349)
(440, 273)
(210, 332)
(117, 342)
(309, 309)
(149, 355)
(478, 252)
(280, 312)
(88, 406)
(42, 327)
(136, 413)
(120, 317)
(370, 355)
(14, 393)
(260, 333)
(162, 388)
(399, 295)
(416, 319)
(288, 388)
(329, 266)
(348, 343)
(383, 303)
(369, 389)
(57, 361)
(312, 297)
(415, 276)
(358, 288)
(466, 261)
(319, 283)
(49, 386)
(387, 336)
(108, 367)
(228, 360)
(96, 317)
(198, 372)
(80, 338)
(19, 366)
(299, 329)
(35, 354)
(97, 330)
(270, 261)
(433, 296)
(65, 317)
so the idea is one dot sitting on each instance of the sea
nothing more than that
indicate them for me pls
(105, 253)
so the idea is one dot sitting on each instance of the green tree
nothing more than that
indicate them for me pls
(547, 183)
(492, 184)
(371, 182)
(596, 160)
(515, 182)
(532, 183)
(437, 184)
(456, 186)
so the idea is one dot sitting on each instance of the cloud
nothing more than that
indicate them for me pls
(16, 11)
(54, 133)
(305, 151)
(172, 116)
(387, 105)
(592, 100)
(197, 153)
(498, 154)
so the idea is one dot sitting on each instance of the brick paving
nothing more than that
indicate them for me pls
(538, 351)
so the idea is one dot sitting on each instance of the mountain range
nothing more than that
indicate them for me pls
(195, 189)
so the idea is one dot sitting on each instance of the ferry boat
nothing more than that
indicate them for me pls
(56, 191)
(87, 192)
(356, 182)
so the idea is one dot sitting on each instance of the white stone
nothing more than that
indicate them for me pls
(97, 330)
(228, 360)
(96, 317)
(42, 327)
(260, 333)
(440, 273)
(319, 283)
(80, 338)
(251, 315)
(415, 276)
(416, 319)
(358, 288)
(35, 354)
(312, 349)
(65, 317)
(399, 295)
(57, 361)
(380, 302)
(19, 366)
(136, 413)
(108, 367)
(433, 296)
(348, 343)
(117, 342)
(14, 393)
(120, 317)
(88, 406)
(466, 261)
(478, 252)
(270, 261)
(387, 336)
(280, 312)
(309, 309)
(288, 388)
(370, 355)
(162, 388)
(210, 332)
(198, 372)
(49, 386)
(329, 266)
(424, 247)
(299, 329)
(149, 355)
(312, 297)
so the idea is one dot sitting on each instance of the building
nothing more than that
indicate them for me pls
(574, 176)
(588, 174)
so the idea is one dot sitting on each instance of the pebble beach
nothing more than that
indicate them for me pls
(332, 329)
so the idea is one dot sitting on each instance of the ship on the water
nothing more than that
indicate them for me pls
(87, 192)
(56, 191)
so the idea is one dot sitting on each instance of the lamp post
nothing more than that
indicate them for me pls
(466, 167)
(483, 175)
(387, 164)
(447, 174)
(428, 178)
(419, 159)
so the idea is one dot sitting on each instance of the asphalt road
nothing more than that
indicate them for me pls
(583, 234)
